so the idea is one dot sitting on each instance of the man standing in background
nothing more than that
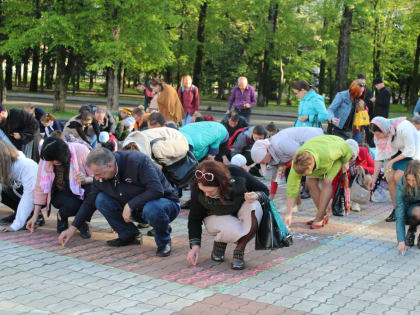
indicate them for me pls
(382, 99)
(242, 98)
(190, 99)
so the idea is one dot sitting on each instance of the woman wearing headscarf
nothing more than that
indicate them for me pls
(17, 182)
(274, 153)
(62, 180)
(397, 142)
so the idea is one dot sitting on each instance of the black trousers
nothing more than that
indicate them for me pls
(10, 199)
(245, 113)
(66, 202)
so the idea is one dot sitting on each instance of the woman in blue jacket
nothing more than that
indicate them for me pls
(408, 206)
(343, 108)
(312, 111)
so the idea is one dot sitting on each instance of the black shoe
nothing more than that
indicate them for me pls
(410, 237)
(142, 224)
(40, 221)
(255, 171)
(9, 219)
(305, 195)
(164, 251)
(392, 217)
(218, 252)
(85, 231)
(152, 231)
(238, 262)
(186, 205)
(137, 240)
(62, 224)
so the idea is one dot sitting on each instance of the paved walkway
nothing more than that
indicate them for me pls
(349, 267)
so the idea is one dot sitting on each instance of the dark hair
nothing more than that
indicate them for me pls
(198, 119)
(301, 85)
(156, 81)
(234, 116)
(85, 115)
(271, 127)
(259, 130)
(374, 128)
(156, 118)
(222, 178)
(46, 118)
(55, 149)
(138, 110)
(361, 76)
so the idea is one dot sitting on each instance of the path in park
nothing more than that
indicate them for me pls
(349, 267)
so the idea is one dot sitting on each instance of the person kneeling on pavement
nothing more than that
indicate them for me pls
(128, 185)
(225, 198)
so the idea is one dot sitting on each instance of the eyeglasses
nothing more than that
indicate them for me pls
(207, 176)
(362, 84)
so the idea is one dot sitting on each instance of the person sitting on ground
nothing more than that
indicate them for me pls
(127, 185)
(140, 117)
(360, 159)
(233, 122)
(21, 129)
(397, 143)
(271, 129)
(17, 181)
(105, 120)
(225, 199)
(168, 101)
(319, 159)
(207, 139)
(79, 125)
(246, 139)
(407, 210)
(311, 110)
(62, 182)
(156, 120)
(51, 124)
(37, 113)
(239, 160)
(275, 154)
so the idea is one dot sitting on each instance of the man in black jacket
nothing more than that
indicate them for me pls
(128, 185)
(19, 126)
(382, 99)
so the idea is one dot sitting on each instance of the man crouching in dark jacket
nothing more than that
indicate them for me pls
(128, 185)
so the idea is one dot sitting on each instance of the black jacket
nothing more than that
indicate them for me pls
(242, 123)
(138, 181)
(21, 122)
(108, 124)
(202, 206)
(383, 99)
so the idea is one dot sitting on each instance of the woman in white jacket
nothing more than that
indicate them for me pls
(17, 179)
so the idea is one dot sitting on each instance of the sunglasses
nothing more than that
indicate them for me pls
(207, 176)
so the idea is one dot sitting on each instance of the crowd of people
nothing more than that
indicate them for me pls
(132, 167)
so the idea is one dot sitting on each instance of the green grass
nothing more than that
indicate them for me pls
(59, 114)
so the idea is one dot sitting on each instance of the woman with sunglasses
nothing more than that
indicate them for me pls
(343, 109)
(224, 198)
(62, 181)
(397, 142)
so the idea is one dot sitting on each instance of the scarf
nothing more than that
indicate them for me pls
(46, 176)
(389, 128)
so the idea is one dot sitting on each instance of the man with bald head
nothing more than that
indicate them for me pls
(242, 98)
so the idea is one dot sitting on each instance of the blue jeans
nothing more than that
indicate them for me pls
(93, 141)
(159, 213)
(188, 119)
(358, 137)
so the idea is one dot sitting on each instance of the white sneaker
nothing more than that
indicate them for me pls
(355, 207)
(295, 208)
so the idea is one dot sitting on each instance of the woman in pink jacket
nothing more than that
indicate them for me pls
(62, 180)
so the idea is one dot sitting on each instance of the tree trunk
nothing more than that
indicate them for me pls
(331, 85)
(9, 73)
(343, 54)
(91, 76)
(33, 85)
(289, 95)
(123, 78)
(43, 69)
(415, 78)
(322, 67)
(264, 88)
(200, 49)
(112, 89)
(19, 74)
(281, 86)
(49, 70)
(25, 66)
(63, 75)
(2, 85)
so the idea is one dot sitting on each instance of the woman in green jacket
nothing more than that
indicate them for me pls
(319, 158)
(407, 209)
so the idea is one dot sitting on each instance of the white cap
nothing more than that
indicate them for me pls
(238, 160)
(354, 147)
(103, 137)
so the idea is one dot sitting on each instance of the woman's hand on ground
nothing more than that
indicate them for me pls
(193, 255)
(401, 248)
(4, 229)
(288, 220)
(30, 225)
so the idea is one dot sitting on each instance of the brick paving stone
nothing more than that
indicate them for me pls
(376, 308)
(358, 305)
(179, 304)
(306, 305)
(324, 309)
(160, 311)
(388, 300)
(320, 296)
(287, 301)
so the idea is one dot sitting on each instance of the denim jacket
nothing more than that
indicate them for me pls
(340, 108)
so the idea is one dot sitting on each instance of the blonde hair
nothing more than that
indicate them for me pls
(303, 163)
(7, 158)
(413, 168)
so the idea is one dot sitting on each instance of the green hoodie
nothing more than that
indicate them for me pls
(330, 153)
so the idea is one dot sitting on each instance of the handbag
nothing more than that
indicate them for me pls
(272, 233)
(361, 118)
(338, 203)
(359, 192)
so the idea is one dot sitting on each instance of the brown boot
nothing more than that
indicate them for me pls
(238, 262)
(218, 252)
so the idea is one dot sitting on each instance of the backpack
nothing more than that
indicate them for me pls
(232, 139)
(193, 90)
